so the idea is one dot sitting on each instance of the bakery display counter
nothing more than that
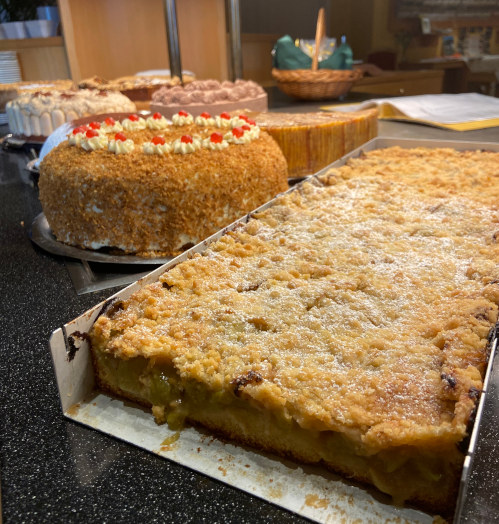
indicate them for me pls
(55, 469)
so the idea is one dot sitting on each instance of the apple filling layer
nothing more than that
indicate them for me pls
(404, 473)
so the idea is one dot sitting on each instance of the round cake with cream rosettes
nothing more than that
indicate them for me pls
(153, 187)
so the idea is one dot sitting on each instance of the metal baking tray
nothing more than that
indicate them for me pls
(12, 141)
(308, 491)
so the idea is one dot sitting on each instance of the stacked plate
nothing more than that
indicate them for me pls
(9, 68)
(10, 72)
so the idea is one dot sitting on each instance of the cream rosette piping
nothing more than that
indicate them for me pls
(133, 125)
(121, 147)
(238, 136)
(204, 121)
(113, 128)
(253, 132)
(182, 119)
(156, 149)
(157, 123)
(93, 143)
(76, 138)
(224, 123)
(183, 148)
(215, 146)
(237, 122)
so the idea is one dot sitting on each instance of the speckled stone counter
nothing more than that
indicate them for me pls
(54, 470)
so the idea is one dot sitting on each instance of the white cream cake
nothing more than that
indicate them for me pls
(37, 114)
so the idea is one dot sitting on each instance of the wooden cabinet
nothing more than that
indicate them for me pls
(401, 83)
(455, 72)
(113, 38)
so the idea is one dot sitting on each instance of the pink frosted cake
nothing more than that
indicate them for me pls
(211, 96)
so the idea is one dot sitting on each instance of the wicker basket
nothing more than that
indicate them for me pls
(315, 83)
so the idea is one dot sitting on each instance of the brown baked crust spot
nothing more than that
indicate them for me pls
(251, 377)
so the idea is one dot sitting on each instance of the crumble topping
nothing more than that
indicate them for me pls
(362, 301)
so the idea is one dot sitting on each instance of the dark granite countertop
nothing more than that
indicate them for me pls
(54, 470)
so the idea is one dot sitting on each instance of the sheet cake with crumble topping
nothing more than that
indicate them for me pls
(347, 324)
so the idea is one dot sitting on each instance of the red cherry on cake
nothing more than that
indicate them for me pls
(77, 130)
(237, 132)
(186, 139)
(216, 138)
(251, 122)
(224, 115)
(158, 140)
(246, 128)
(157, 116)
(133, 118)
(110, 121)
(120, 136)
(94, 125)
(183, 113)
(91, 133)
(243, 117)
(205, 115)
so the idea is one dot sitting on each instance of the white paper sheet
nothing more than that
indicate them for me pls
(443, 108)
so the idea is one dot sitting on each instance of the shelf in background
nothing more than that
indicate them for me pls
(39, 58)
(27, 43)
